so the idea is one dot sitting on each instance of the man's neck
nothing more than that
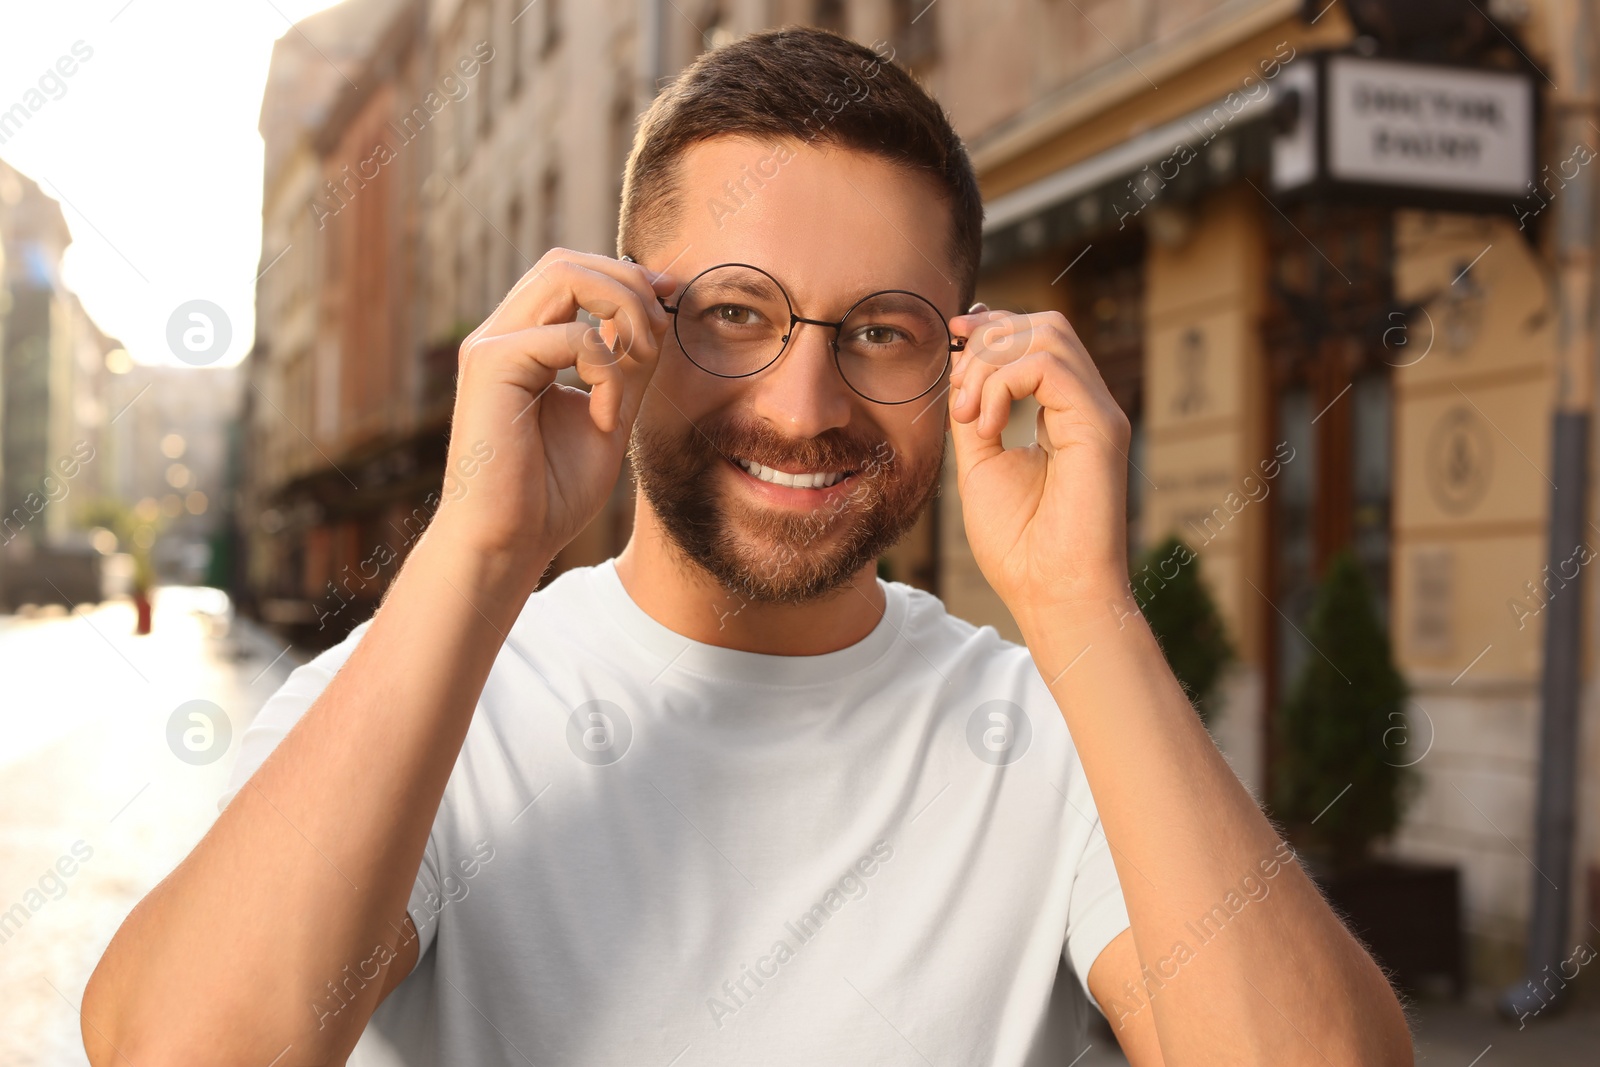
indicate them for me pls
(685, 599)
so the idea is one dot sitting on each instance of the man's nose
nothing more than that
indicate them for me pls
(802, 393)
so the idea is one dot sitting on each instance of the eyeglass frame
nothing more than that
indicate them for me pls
(957, 344)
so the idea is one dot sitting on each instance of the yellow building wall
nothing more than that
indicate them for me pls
(1202, 425)
(1205, 440)
(1473, 396)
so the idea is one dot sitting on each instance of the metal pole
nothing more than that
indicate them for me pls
(1573, 109)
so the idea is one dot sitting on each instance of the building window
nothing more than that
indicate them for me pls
(459, 116)
(513, 37)
(830, 15)
(458, 285)
(621, 145)
(516, 262)
(717, 31)
(1106, 308)
(550, 36)
(915, 28)
(1331, 402)
(550, 201)
(485, 276)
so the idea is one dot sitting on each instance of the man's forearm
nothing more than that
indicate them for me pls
(1274, 970)
(313, 861)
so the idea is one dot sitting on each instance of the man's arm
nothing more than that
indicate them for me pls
(311, 866)
(1114, 969)
(309, 869)
(1230, 971)
(1274, 976)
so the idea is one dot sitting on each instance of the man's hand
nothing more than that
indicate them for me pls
(1047, 522)
(1047, 526)
(554, 452)
(247, 916)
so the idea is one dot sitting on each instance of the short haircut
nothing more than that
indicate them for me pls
(809, 85)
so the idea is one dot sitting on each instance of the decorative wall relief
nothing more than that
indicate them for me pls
(1460, 454)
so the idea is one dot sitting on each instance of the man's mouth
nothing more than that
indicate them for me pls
(791, 479)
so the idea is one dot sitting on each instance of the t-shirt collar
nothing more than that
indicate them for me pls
(675, 652)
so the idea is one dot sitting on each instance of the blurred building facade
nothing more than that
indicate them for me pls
(1305, 373)
(52, 404)
(83, 428)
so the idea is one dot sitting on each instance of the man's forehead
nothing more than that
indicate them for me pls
(827, 221)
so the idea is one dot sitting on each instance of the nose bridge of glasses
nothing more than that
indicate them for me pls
(795, 320)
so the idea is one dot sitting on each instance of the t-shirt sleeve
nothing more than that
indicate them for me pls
(284, 708)
(274, 721)
(1096, 911)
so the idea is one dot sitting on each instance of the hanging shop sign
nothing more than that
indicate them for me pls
(1414, 134)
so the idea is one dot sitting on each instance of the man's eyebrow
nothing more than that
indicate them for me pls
(742, 283)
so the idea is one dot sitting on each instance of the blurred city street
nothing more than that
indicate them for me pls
(1459, 1035)
(86, 771)
(1333, 260)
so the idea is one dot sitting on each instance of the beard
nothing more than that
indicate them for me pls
(778, 556)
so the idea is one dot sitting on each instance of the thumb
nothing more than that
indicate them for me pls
(971, 448)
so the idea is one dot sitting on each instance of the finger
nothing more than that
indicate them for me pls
(649, 284)
(1064, 340)
(979, 315)
(528, 357)
(634, 375)
(1055, 385)
(996, 339)
(970, 448)
(532, 359)
(635, 326)
(1046, 331)
(563, 281)
(665, 284)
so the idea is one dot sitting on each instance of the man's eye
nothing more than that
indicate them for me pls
(734, 315)
(880, 335)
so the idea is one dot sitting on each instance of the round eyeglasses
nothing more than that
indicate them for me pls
(735, 320)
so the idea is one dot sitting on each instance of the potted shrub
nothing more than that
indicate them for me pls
(1341, 784)
(1183, 616)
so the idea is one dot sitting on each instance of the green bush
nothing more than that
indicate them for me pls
(1334, 725)
(1184, 617)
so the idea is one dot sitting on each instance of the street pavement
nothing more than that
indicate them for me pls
(89, 785)
(102, 794)
(1466, 1034)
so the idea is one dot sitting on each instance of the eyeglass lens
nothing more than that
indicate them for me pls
(734, 320)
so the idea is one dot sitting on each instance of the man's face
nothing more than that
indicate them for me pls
(831, 225)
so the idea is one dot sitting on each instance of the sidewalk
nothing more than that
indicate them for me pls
(89, 784)
(1468, 1034)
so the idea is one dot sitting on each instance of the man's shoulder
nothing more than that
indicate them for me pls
(929, 624)
(562, 595)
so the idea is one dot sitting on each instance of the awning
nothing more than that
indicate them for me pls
(1173, 162)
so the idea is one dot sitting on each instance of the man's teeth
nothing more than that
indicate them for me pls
(819, 480)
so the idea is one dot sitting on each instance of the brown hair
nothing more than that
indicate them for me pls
(810, 85)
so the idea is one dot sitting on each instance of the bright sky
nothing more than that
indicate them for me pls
(152, 150)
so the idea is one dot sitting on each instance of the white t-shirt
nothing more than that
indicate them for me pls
(657, 851)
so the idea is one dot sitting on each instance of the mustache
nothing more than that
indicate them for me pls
(759, 442)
